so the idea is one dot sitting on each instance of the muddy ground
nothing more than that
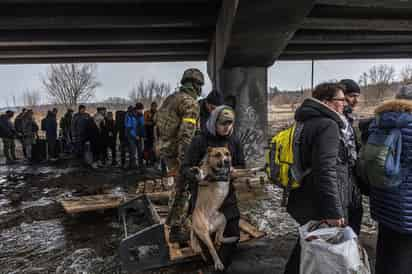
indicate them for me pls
(36, 236)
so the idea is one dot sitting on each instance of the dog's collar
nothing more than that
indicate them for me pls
(222, 175)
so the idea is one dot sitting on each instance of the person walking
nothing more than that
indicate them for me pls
(390, 205)
(324, 192)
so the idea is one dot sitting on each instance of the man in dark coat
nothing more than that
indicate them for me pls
(207, 105)
(109, 134)
(219, 133)
(79, 127)
(8, 133)
(65, 127)
(324, 193)
(121, 131)
(49, 125)
(150, 134)
(352, 93)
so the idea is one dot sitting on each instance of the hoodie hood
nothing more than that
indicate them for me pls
(394, 114)
(313, 108)
(211, 122)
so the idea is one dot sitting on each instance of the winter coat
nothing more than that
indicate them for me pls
(79, 127)
(99, 120)
(195, 154)
(120, 125)
(204, 115)
(109, 131)
(392, 207)
(29, 127)
(356, 182)
(49, 125)
(176, 122)
(134, 125)
(325, 192)
(6, 127)
(66, 122)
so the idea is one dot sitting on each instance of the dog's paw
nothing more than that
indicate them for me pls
(219, 266)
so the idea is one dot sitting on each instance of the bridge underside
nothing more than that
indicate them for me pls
(239, 39)
(64, 31)
(61, 31)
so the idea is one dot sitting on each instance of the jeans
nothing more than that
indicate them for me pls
(135, 149)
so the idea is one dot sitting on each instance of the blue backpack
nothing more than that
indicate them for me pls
(381, 158)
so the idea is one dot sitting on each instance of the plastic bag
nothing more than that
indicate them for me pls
(326, 250)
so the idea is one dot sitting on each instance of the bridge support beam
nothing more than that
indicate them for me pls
(245, 88)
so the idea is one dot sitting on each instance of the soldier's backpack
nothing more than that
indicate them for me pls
(283, 160)
(381, 156)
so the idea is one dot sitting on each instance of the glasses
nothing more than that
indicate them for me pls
(338, 99)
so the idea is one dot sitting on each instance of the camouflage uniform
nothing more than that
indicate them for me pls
(176, 121)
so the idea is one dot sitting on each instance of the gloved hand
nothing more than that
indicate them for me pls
(191, 174)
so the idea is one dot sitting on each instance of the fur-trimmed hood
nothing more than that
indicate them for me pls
(394, 114)
(395, 106)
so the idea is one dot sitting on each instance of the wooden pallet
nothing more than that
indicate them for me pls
(247, 233)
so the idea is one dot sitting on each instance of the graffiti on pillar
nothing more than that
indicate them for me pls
(251, 135)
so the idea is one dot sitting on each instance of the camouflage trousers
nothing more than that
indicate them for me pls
(178, 204)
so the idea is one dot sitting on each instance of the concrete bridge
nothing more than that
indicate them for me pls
(238, 38)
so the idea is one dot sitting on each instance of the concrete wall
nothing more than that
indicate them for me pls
(248, 87)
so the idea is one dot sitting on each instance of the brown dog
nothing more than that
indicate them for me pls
(212, 191)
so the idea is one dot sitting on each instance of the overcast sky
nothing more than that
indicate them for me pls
(118, 79)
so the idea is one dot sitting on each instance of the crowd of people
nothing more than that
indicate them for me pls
(179, 133)
(93, 138)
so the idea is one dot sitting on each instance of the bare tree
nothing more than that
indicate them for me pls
(380, 78)
(116, 103)
(31, 98)
(69, 84)
(406, 74)
(147, 92)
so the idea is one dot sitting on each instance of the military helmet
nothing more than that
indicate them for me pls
(192, 74)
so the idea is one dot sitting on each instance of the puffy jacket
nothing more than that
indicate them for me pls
(134, 125)
(324, 193)
(196, 152)
(393, 207)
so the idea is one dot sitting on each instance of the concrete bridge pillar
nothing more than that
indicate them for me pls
(245, 88)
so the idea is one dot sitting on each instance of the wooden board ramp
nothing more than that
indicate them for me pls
(108, 201)
(91, 203)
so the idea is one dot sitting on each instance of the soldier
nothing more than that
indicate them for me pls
(176, 121)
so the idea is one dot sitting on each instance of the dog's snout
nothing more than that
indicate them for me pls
(226, 162)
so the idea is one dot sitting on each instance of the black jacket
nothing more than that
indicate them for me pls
(194, 155)
(324, 193)
(204, 115)
(79, 126)
(6, 127)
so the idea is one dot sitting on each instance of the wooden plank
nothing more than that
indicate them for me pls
(250, 229)
(91, 203)
(161, 197)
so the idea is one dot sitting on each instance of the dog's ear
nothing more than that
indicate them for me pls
(209, 149)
